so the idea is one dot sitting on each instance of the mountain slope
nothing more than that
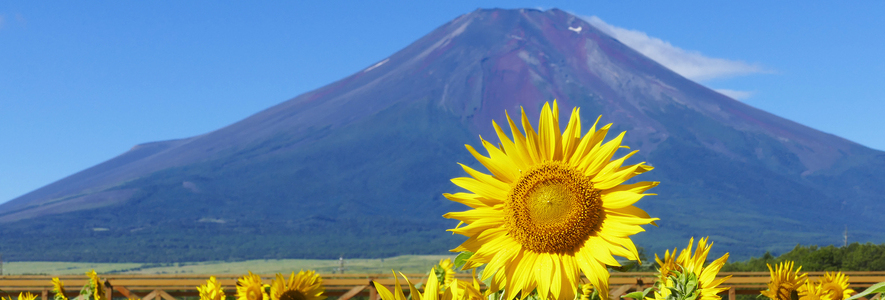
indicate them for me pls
(357, 167)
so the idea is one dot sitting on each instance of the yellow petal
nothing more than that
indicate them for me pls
(479, 188)
(639, 187)
(570, 272)
(485, 178)
(501, 258)
(599, 156)
(589, 142)
(521, 144)
(614, 179)
(498, 163)
(598, 249)
(473, 215)
(571, 137)
(430, 290)
(619, 199)
(595, 272)
(383, 291)
(413, 292)
(510, 149)
(544, 269)
(477, 227)
(531, 139)
(632, 210)
(624, 242)
(472, 200)
(509, 170)
(525, 271)
(556, 285)
(550, 135)
(612, 167)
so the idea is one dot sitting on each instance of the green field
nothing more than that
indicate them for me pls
(405, 264)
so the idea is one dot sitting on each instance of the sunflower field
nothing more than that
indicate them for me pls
(545, 221)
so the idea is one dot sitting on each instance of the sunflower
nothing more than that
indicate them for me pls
(96, 285)
(667, 264)
(397, 294)
(22, 296)
(693, 266)
(554, 206)
(457, 290)
(58, 288)
(445, 272)
(249, 287)
(835, 286)
(462, 290)
(784, 281)
(211, 290)
(811, 291)
(587, 292)
(304, 286)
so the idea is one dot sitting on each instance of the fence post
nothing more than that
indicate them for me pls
(731, 294)
(108, 290)
(373, 294)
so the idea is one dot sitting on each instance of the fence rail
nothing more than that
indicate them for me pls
(346, 286)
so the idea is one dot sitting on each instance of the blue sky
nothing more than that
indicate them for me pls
(83, 82)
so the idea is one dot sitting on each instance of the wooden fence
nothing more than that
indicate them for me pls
(346, 286)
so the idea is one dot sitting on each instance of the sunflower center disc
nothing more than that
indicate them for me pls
(552, 208)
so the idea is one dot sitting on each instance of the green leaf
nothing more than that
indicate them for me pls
(876, 288)
(638, 295)
(462, 258)
(691, 286)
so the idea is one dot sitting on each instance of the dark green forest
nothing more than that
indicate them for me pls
(854, 257)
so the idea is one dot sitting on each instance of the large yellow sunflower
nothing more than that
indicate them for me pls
(835, 286)
(249, 287)
(212, 290)
(784, 281)
(686, 262)
(307, 285)
(554, 206)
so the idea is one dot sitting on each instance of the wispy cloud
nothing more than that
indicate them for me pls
(737, 95)
(691, 64)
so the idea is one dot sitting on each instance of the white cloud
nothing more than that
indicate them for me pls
(691, 64)
(737, 95)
